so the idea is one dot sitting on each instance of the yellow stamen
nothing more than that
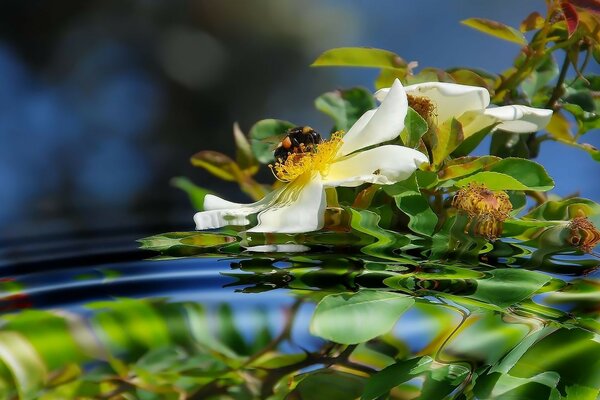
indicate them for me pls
(422, 105)
(319, 160)
(485, 208)
(583, 234)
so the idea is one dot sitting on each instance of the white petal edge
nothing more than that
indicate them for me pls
(278, 248)
(450, 99)
(300, 207)
(379, 125)
(520, 119)
(219, 212)
(382, 165)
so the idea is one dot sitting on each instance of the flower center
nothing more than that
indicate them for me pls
(319, 160)
(422, 105)
(486, 208)
(583, 234)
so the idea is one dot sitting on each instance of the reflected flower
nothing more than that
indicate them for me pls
(469, 105)
(299, 206)
(583, 234)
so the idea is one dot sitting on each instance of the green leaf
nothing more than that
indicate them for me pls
(27, 368)
(512, 174)
(328, 384)
(508, 144)
(445, 140)
(469, 77)
(360, 57)
(414, 128)
(345, 106)
(586, 121)
(243, 151)
(367, 222)
(465, 166)
(506, 287)
(496, 29)
(195, 193)
(494, 181)
(265, 135)
(565, 210)
(410, 201)
(217, 164)
(380, 383)
(559, 128)
(543, 74)
(528, 172)
(165, 241)
(351, 318)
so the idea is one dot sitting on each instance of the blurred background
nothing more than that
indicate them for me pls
(103, 102)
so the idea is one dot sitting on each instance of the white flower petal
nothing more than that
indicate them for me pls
(219, 212)
(382, 165)
(279, 248)
(520, 119)
(379, 125)
(300, 207)
(450, 99)
(475, 121)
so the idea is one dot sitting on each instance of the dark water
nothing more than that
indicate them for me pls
(97, 317)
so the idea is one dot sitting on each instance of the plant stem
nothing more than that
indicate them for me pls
(558, 89)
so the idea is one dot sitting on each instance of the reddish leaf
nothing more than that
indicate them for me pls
(591, 5)
(571, 17)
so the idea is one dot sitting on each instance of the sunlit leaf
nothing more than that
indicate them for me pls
(559, 128)
(512, 174)
(217, 164)
(445, 140)
(465, 166)
(350, 318)
(532, 22)
(496, 29)
(360, 57)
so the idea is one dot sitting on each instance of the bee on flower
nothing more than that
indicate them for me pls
(349, 160)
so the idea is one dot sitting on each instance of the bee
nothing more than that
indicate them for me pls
(301, 139)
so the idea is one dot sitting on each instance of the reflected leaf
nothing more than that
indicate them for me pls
(354, 318)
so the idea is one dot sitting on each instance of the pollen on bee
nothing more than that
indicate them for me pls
(422, 105)
(318, 160)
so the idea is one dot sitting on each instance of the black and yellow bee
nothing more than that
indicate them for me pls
(301, 139)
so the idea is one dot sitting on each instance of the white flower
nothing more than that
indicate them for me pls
(469, 105)
(299, 206)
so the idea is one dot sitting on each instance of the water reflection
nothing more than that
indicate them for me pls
(248, 327)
